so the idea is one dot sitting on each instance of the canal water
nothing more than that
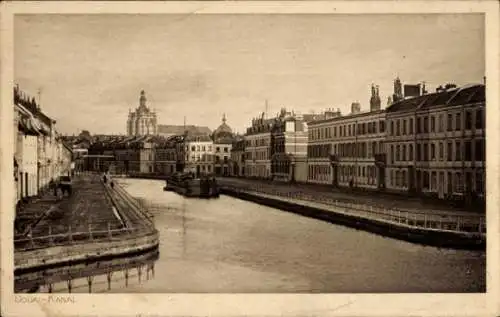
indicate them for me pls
(228, 245)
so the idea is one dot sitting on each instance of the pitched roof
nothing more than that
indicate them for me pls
(179, 129)
(452, 97)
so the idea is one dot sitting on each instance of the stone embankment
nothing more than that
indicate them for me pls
(98, 223)
(427, 226)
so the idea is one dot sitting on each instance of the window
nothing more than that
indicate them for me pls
(392, 153)
(458, 151)
(458, 121)
(397, 153)
(433, 124)
(419, 125)
(426, 124)
(479, 150)
(433, 181)
(441, 123)
(433, 151)
(398, 127)
(479, 182)
(459, 182)
(468, 120)
(449, 124)
(426, 152)
(392, 128)
(410, 152)
(449, 152)
(403, 152)
(480, 119)
(441, 151)
(411, 125)
(468, 151)
(404, 127)
(381, 126)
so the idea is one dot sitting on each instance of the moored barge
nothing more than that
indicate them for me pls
(188, 185)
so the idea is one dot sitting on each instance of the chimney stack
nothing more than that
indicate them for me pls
(355, 107)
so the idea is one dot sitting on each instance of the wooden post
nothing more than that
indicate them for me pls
(70, 234)
(50, 287)
(458, 223)
(89, 282)
(90, 232)
(51, 239)
(69, 284)
(30, 233)
(153, 269)
(126, 277)
(109, 274)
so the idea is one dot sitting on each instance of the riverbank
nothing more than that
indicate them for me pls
(439, 230)
(110, 226)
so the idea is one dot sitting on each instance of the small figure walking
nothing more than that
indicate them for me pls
(104, 178)
(112, 184)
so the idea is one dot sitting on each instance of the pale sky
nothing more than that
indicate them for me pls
(91, 68)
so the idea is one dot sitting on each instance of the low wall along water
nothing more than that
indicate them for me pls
(36, 266)
(433, 230)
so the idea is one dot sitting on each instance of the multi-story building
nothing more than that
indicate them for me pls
(238, 157)
(258, 148)
(38, 154)
(166, 156)
(348, 150)
(223, 140)
(143, 120)
(436, 143)
(198, 154)
(288, 145)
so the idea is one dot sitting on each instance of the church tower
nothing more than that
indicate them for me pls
(142, 121)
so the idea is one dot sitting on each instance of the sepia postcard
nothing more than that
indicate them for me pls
(233, 158)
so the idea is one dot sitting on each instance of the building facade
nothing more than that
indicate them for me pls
(198, 154)
(39, 156)
(436, 144)
(344, 150)
(258, 148)
(288, 145)
(166, 156)
(238, 157)
(223, 138)
(142, 121)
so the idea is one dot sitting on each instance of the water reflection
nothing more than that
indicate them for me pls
(90, 277)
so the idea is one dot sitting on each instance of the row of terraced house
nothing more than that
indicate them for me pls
(40, 155)
(430, 144)
(422, 143)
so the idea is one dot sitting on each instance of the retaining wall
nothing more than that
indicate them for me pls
(444, 239)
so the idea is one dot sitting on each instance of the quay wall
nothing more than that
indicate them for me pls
(442, 239)
(90, 251)
(141, 240)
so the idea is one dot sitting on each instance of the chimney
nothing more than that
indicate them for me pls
(355, 107)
